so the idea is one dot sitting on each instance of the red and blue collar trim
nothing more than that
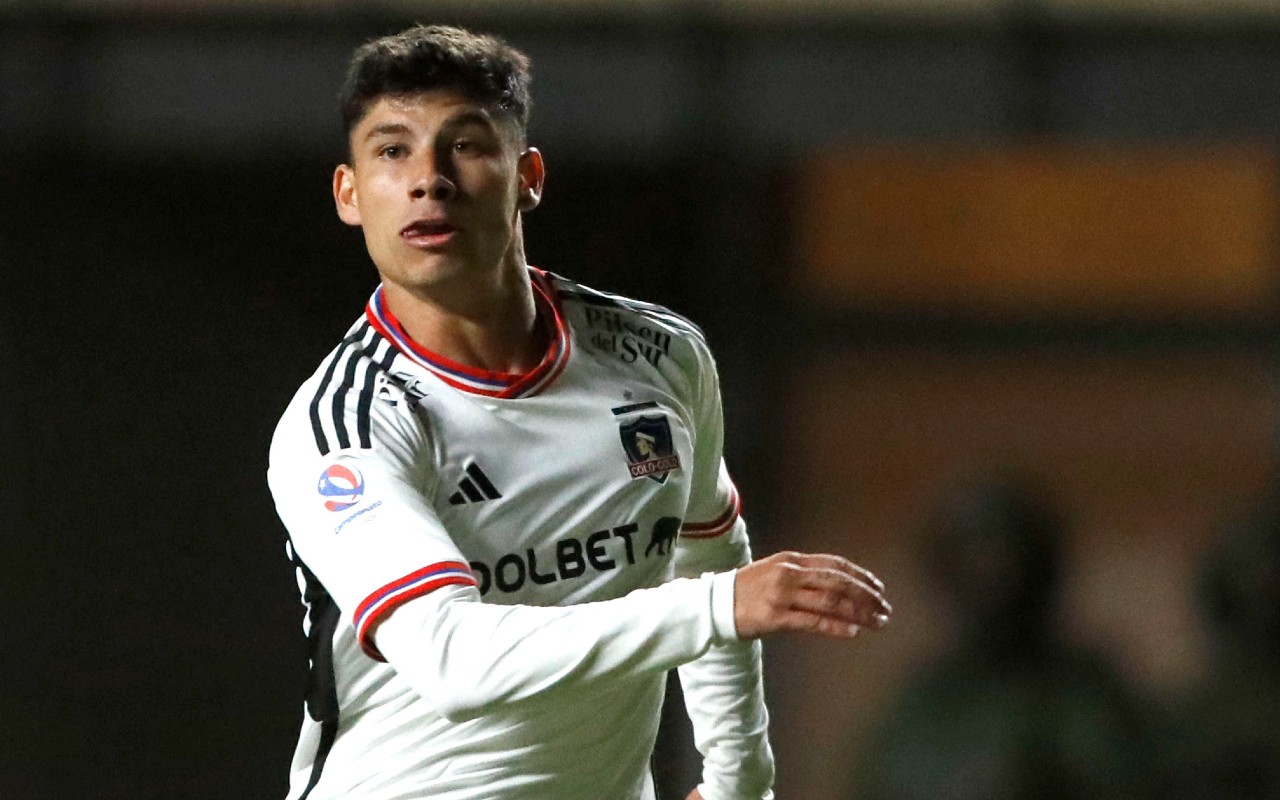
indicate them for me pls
(480, 381)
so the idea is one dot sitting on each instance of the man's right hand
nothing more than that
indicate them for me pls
(822, 594)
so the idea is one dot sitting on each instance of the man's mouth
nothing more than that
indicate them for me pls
(427, 233)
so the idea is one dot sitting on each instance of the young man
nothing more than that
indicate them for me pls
(504, 491)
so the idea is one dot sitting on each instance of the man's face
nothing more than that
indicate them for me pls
(437, 184)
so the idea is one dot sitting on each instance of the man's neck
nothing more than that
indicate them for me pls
(488, 325)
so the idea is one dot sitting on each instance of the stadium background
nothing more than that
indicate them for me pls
(926, 239)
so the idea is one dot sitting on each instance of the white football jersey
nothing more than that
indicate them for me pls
(550, 543)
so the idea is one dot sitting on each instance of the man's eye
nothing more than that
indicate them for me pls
(464, 146)
(391, 151)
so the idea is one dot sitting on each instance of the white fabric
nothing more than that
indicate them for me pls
(513, 581)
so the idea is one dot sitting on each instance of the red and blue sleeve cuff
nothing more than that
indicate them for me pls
(379, 604)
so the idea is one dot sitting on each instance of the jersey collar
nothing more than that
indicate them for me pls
(479, 381)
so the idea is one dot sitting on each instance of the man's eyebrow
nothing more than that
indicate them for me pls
(387, 129)
(471, 118)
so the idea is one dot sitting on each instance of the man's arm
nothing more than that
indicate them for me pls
(723, 689)
(466, 657)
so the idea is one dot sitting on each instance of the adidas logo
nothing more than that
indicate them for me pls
(475, 488)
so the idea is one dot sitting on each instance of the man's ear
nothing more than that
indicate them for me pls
(533, 174)
(344, 194)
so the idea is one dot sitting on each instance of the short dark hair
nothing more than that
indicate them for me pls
(424, 57)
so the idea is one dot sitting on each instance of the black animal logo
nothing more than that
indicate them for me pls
(664, 536)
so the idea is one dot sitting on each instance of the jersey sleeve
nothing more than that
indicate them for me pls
(715, 508)
(358, 519)
(356, 514)
(723, 689)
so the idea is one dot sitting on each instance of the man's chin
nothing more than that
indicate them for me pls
(436, 279)
(426, 270)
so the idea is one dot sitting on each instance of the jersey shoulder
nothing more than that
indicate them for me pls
(571, 292)
(334, 408)
(634, 329)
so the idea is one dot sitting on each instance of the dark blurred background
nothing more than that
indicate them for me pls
(993, 285)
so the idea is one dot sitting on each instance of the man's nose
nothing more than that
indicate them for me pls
(433, 183)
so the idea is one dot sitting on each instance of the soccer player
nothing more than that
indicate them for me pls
(504, 491)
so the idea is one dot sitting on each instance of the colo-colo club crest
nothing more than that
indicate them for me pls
(650, 451)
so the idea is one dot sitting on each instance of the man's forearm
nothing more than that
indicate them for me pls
(466, 657)
(724, 695)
